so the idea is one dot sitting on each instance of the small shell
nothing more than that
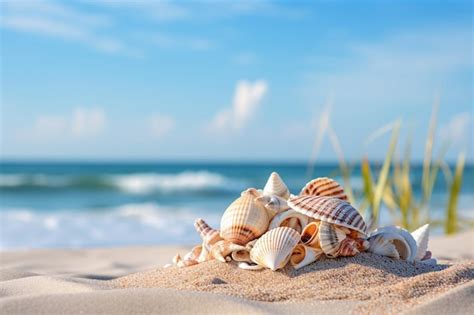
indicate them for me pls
(431, 261)
(243, 254)
(205, 254)
(222, 249)
(304, 255)
(324, 186)
(276, 186)
(273, 250)
(406, 249)
(348, 248)
(289, 218)
(208, 235)
(381, 245)
(330, 210)
(309, 235)
(248, 266)
(330, 238)
(421, 236)
(244, 220)
(274, 204)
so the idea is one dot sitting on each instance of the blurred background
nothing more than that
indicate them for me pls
(123, 121)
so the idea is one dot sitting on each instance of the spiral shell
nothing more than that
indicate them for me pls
(276, 186)
(330, 210)
(324, 186)
(244, 220)
(421, 236)
(304, 255)
(273, 250)
(330, 238)
(347, 248)
(401, 239)
(222, 249)
(208, 235)
(310, 235)
(289, 218)
(274, 204)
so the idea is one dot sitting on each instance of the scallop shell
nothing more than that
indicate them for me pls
(330, 210)
(274, 204)
(309, 235)
(406, 249)
(222, 249)
(330, 238)
(273, 250)
(289, 218)
(421, 236)
(304, 255)
(276, 186)
(324, 186)
(208, 235)
(244, 220)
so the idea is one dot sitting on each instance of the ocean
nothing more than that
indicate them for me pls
(77, 205)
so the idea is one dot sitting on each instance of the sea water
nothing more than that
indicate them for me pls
(75, 205)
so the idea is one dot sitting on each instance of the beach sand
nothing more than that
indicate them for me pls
(130, 280)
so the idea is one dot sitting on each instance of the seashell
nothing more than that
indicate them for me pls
(244, 220)
(247, 266)
(273, 250)
(431, 261)
(330, 238)
(381, 245)
(276, 186)
(330, 210)
(222, 249)
(205, 254)
(273, 204)
(428, 255)
(289, 218)
(324, 186)
(304, 255)
(176, 259)
(421, 236)
(208, 235)
(243, 254)
(348, 248)
(406, 249)
(309, 235)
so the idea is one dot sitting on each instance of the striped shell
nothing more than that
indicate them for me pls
(222, 249)
(330, 210)
(304, 255)
(276, 186)
(208, 235)
(289, 218)
(273, 250)
(324, 186)
(244, 220)
(348, 248)
(381, 245)
(330, 238)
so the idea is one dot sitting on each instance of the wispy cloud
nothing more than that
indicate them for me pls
(247, 98)
(458, 131)
(161, 125)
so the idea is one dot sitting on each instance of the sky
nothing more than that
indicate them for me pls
(232, 80)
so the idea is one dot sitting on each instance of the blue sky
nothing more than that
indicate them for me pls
(231, 80)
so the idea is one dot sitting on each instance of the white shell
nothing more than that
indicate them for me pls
(381, 245)
(421, 236)
(409, 253)
(289, 218)
(330, 238)
(273, 203)
(276, 186)
(304, 255)
(431, 261)
(274, 248)
(247, 266)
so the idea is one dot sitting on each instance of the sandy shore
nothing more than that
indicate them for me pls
(91, 281)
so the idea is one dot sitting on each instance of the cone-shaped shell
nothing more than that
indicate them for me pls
(304, 255)
(276, 186)
(273, 203)
(208, 235)
(274, 248)
(330, 210)
(289, 218)
(324, 186)
(397, 235)
(244, 220)
(421, 236)
(330, 238)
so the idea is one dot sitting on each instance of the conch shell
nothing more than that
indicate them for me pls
(222, 249)
(382, 239)
(421, 236)
(304, 255)
(273, 250)
(289, 218)
(208, 235)
(273, 203)
(244, 220)
(276, 186)
(324, 186)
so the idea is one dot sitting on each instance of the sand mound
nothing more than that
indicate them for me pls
(364, 277)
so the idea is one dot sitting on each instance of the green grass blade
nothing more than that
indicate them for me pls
(451, 211)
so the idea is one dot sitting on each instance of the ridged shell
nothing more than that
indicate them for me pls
(276, 186)
(348, 248)
(208, 235)
(331, 210)
(244, 220)
(330, 238)
(273, 203)
(383, 246)
(304, 255)
(222, 249)
(289, 218)
(324, 186)
(406, 251)
(421, 236)
(309, 235)
(273, 250)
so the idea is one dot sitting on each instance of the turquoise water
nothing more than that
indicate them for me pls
(115, 204)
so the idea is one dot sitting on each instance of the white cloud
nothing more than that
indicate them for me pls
(247, 98)
(458, 130)
(161, 125)
(87, 122)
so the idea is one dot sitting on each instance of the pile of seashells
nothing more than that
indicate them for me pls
(269, 228)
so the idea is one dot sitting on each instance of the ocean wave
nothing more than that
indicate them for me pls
(137, 183)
